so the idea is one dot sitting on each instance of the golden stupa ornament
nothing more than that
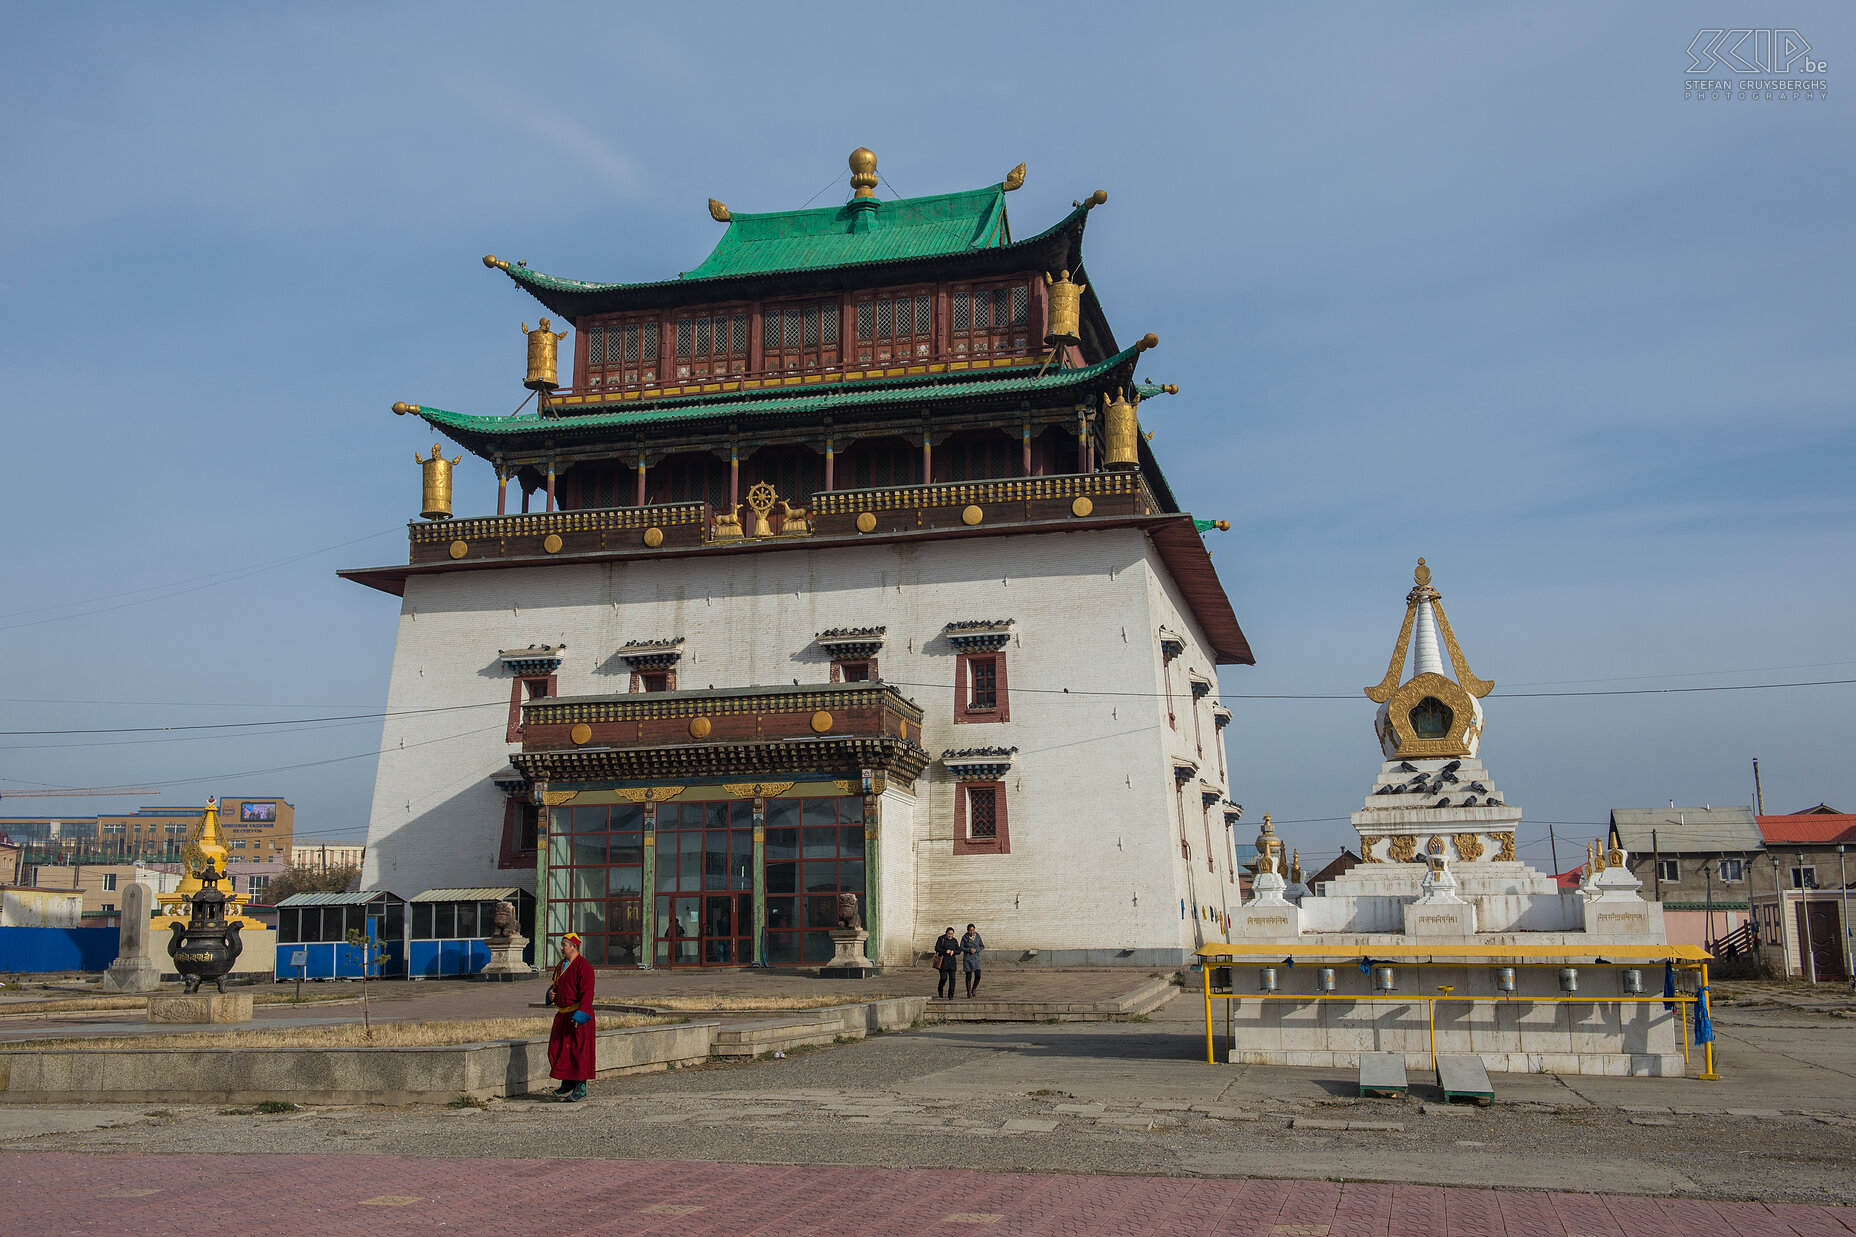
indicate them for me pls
(435, 496)
(1063, 314)
(1121, 430)
(543, 357)
(1428, 715)
(201, 850)
(863, 172)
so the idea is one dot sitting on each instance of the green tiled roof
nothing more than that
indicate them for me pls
(832, 237)
(464, 426)
(797, 240)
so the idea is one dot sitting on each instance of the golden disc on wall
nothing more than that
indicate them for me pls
(654, 537)
(972, 515)
(581, 733)
(552, 543)
(459, 549)
(821, 721)
(866, 522)
(1082, 505)
(699, 727)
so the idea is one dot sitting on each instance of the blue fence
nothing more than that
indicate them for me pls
(326, 960)
(31, 950)
(432, 959)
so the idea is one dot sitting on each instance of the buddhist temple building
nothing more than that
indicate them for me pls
(838, 564)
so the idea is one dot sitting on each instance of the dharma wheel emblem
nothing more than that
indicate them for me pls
(760, 501)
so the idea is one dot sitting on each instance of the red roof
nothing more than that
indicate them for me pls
(1570, 880)
(1808, 829)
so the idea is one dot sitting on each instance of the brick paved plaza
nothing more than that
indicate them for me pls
(374, 1196)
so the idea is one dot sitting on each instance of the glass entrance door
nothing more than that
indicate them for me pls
(705, 882)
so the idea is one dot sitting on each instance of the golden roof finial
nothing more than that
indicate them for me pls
(863, 172)
(718, 211)
(1422, 575)
(1015, 178)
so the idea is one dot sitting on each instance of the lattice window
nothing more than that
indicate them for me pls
(895, 326)
(981, 459)
(990, 319)
(622, 353)
(982, 812)
(799, 335)
(712, 344)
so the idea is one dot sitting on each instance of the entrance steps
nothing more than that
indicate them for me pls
(1146, 998)
(750, 1039)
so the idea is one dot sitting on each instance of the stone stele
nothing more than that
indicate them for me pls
(134, 969)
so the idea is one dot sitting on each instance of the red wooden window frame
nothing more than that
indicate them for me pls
(986, 319)
(521, 822)
(809, 337)
(880, 319)
(711, 342)
(517, 699)
(1001, 711)
(641, 680)
(1001, 841)
(622, 352)
(844, 668)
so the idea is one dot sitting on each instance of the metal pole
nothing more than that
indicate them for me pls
(1804, 902)
(1554, 843)
(1656, 857)
(1759, 798)
(1707, 1007)
(1843, 880)
(1708, 871)
(1211, 1050)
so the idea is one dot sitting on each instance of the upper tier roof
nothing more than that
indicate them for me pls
(801, 248)
(794, 240)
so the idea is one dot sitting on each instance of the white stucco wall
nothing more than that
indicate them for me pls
(1095, 859)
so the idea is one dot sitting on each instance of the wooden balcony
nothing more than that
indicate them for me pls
(832, 513)
(755, 731)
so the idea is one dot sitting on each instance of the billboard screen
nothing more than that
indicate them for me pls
(257, 813)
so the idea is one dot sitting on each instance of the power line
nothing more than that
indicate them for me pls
(283, 721)
(193, 584)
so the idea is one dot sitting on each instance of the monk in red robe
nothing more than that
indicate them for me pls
(570, 1042)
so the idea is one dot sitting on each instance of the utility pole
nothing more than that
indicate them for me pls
(1804, 900)
(1552, 842)
(1656, 857)
(1843, 879)
(1759, 799)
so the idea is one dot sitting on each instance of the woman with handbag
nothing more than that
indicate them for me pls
(946, 961)
(571, 1046)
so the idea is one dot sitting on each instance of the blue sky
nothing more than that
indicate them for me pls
(1470, 282)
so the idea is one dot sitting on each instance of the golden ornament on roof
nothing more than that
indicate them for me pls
(863, 172)
(1015, 178)
(543, 353)
(435, 499)
(718, 211)
(1120, 431)
(1064, 311)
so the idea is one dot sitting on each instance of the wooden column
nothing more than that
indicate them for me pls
(647, 905)
(830, 461)
(927, 459)
(546, 931)
(550, 485)
(502, 491)
(760, 878)
(525, 500)
(734, 477)
(640, 501)
(1027, 437)
(873, 906)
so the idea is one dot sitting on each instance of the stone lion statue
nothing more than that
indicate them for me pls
(848, 916)
(504, 920)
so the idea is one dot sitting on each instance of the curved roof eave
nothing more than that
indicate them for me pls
(575, 298)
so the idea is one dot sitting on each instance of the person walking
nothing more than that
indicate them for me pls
(971, 947)
(946, 959)
(571, 1046)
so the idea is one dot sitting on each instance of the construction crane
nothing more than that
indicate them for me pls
(76, 792)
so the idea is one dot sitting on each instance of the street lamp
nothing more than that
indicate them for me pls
(1778, 895)
(1707, 870)
(1843, 881)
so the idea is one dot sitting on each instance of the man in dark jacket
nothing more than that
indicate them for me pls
(947, 962)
